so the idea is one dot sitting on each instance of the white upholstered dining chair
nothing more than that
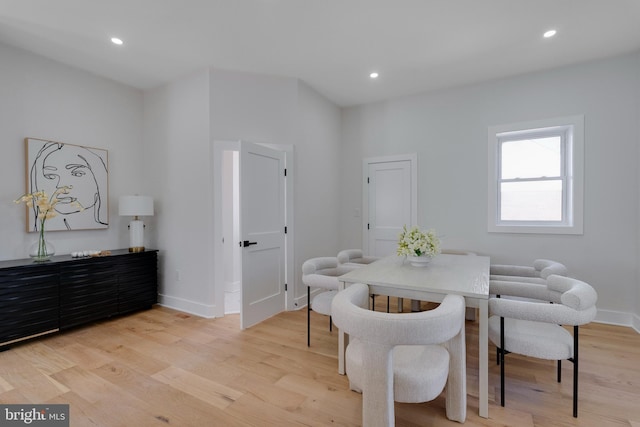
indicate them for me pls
(535, 329)
(322, 273)
(541, 269)
(403, 357)
(355, 258)
(506, 280)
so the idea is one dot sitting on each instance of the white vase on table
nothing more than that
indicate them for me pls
(419, 261)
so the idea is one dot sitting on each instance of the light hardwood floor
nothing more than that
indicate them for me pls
(166, 368)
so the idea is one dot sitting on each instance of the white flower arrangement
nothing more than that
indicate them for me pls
(415, 242)
(45, 208)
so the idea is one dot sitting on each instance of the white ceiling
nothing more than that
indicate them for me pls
(332, 45)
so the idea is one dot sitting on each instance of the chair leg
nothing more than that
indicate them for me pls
(497, 349)
(373, 303)
(501, 352)
(502, 361)
(308, 316)
(330, 324)
(575, 371)
(559, 371)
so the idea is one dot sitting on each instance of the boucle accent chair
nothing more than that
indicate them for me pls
(534, 328)
(355, 258)
(535, 278)
(542, 268)
(397, 356)
(323, 273)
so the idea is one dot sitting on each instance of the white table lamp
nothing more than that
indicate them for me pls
(136, 206)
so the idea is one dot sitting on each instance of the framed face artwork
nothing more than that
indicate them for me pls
(52, 165)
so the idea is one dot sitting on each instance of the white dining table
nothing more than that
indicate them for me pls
(466, 275)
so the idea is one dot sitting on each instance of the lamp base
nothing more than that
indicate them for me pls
(136, 235)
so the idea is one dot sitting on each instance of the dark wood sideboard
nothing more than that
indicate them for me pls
(40, 298)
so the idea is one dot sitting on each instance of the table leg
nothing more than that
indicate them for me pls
(341, 348)
(483, 358)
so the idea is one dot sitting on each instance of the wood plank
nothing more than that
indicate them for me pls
(91, 387)
(163, 367)
(26, 378)
(44, 358)
(215, 394)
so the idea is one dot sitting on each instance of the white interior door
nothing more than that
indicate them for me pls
(391, 202)
(262, 222)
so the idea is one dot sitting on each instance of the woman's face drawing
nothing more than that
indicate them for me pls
(76, 173)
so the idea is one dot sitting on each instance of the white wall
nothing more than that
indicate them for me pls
(176, 140)
(448, 130)
(318, 181)
(231, 221)
(285, 111)
(44, 99)
(181, 122)
(636, 319)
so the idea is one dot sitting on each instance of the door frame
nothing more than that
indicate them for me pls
(217, 149)
(412, 158)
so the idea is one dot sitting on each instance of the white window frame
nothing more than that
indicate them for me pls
(572, 175)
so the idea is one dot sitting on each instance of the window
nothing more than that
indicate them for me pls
(535, 176)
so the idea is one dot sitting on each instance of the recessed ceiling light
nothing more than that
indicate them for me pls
(116, 40)
(374, 75)
(549, 34)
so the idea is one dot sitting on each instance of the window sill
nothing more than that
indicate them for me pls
(536, 229)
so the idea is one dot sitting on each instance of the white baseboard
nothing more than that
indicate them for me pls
(618, 318)
(232, 302)
(300, 302)
(191, 307)
(208, 311)
(636, 323)
(232, 286)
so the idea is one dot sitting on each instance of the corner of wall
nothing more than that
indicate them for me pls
(618, 318)
(186, 306)
(635, 323)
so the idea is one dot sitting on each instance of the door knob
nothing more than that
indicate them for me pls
(248, 243)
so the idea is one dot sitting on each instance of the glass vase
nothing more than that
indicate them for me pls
(42, 249)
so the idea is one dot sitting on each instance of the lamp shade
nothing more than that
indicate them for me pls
(135, 206)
